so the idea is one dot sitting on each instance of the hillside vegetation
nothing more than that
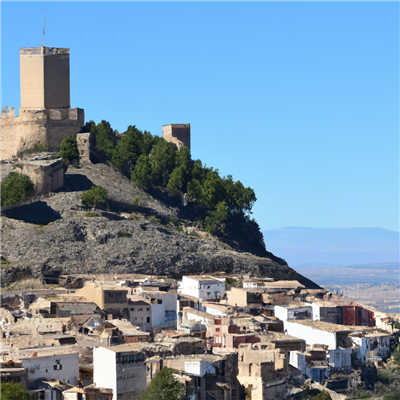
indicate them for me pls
(223, 206)
(102, 222)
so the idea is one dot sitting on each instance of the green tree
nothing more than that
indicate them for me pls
(164, 387)
(182, 174)
(149, 141)
(16, 187)
(128, 150)
(213, 191)
(14, 391)
(96, 195)
(105, 137)
(238, 198)
(141, 175)
(162, 160)
(69, 150)
(194, 188)
(215, 221)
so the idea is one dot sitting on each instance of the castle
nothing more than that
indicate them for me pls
(45, 116)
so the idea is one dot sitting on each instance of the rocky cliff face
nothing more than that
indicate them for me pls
(52, 232)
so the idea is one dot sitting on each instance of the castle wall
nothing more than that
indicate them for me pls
(47, 127)
(178, 134)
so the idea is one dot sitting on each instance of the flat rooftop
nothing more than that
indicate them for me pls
(204, 278)
(329, 327)
(123, 348)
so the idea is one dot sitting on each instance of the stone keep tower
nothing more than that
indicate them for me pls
(45, 116)
(178, 134)
(44, 78)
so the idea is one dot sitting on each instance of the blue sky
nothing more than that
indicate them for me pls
(298, 100)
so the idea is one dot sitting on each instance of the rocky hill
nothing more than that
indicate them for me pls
(53, 232)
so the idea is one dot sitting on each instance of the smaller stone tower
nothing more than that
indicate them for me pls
(178, 134)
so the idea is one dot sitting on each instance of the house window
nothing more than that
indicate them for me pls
(135, 318)
(147, 308)
(140, 309)
(148, 319)
(132, 309)
(218, 329)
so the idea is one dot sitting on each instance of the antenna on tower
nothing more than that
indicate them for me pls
(44, 29)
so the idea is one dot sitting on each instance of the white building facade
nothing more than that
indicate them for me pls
(64, 367)
(202, 287)
(119, 368)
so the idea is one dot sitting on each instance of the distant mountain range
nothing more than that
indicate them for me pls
(352, 255)
(333, 247)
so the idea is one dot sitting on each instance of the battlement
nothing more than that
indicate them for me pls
(30, 127)
(43, 50)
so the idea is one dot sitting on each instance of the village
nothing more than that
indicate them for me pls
(226, 337)
(105, 337)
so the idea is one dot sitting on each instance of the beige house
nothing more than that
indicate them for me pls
(108, 298)
(262, 371)
(140, 313)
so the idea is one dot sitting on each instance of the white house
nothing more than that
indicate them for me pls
(293, 311)
(312, 334)
(340, 358)
(219, 310)
(325, 311)
(163, 308)
(202, 287)
(64, 367)
(371, 345)
(120, 368)
(199, 367)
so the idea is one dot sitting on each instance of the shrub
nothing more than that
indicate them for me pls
(69, 150)
(36, 148)
(364, 396)
(396, 356)
(394, 396)
(135, 201)
(173, 222)
(4, 261)
(124, 234)
(322, 396)
(384, 379)
(155, 220)
(16, 187)
(14, 391)
(96, 195)
(229, 282)
(91, 214)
